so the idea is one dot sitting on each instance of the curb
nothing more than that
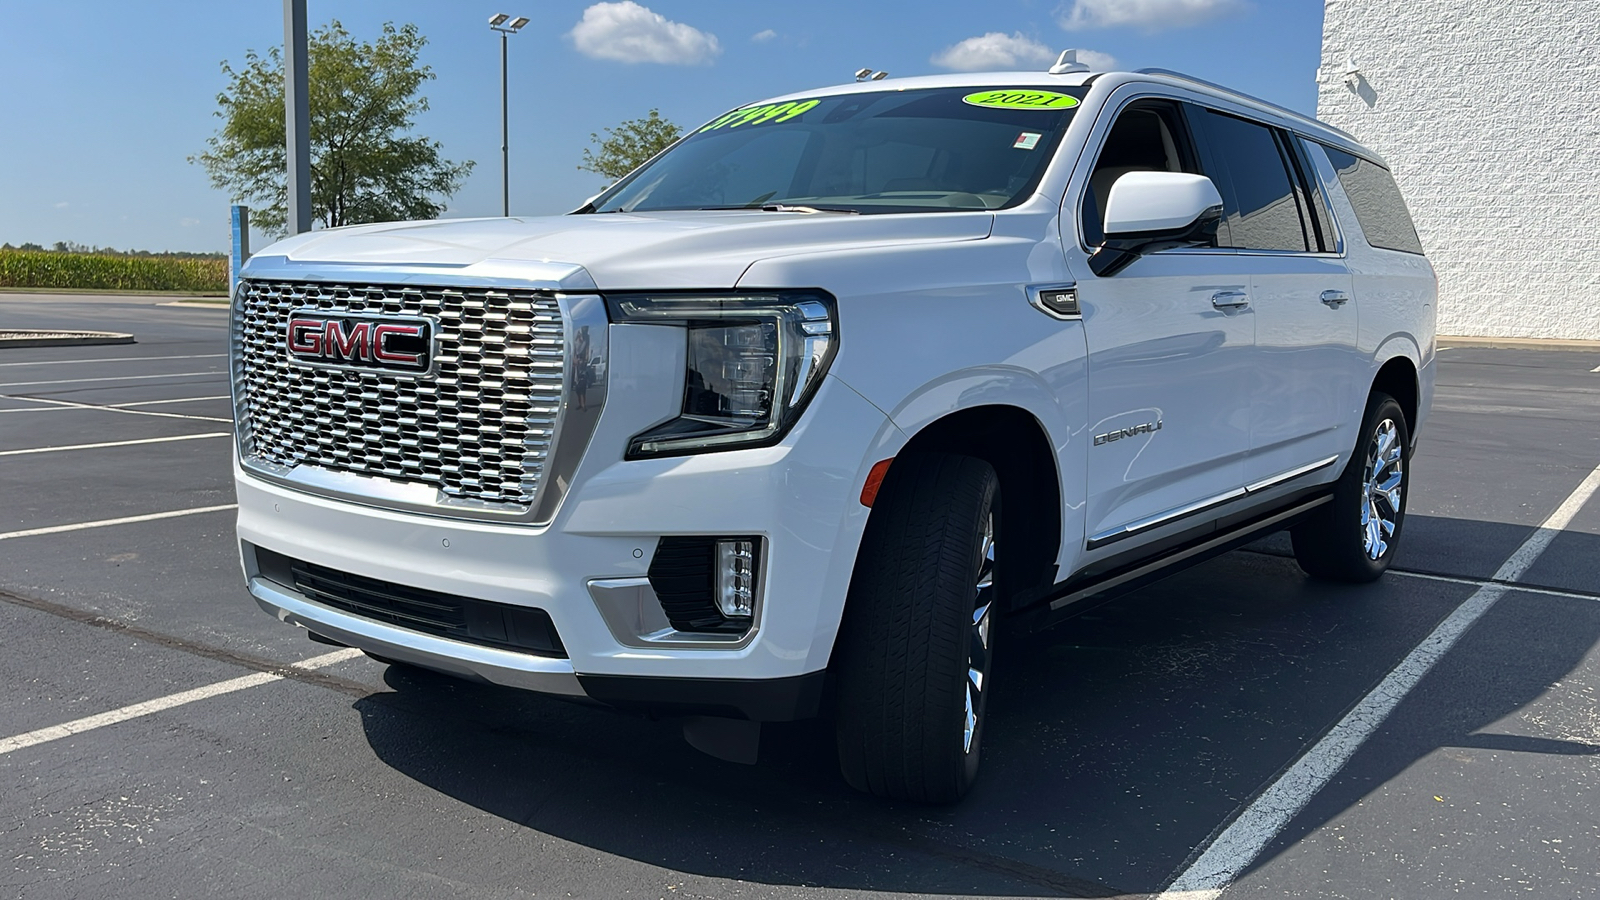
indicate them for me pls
(105, 292)
(198, 304)
(21, 339)
(1512, 343)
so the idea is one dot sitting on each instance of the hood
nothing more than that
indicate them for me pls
(624, 251)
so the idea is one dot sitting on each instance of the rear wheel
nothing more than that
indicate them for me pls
(1353, 538)
(916, 643)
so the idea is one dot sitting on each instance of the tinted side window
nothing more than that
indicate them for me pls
(1148, 136)
(1379, 207)
(1259, 201)
(1321, 220)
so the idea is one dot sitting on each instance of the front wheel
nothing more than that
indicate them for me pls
(916, 641)
(1353, 537)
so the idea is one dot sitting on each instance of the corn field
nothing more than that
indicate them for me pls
(67, 271)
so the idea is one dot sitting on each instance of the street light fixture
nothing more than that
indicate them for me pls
(498, 22)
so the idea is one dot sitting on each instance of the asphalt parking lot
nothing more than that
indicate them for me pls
(1131, 750)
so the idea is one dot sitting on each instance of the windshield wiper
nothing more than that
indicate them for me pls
(770, 207)
(784, 207)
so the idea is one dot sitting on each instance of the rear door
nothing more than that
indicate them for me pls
(1170, 338)
(1303, 384)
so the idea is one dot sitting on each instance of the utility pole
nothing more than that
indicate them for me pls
(497, 22)
(297, 115)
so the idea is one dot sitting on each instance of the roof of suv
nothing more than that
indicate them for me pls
(1288, 118)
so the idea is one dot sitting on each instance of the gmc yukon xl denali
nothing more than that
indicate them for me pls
(804, 415)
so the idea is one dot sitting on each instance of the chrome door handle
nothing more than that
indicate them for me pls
(1230, 299)
(1335, 299)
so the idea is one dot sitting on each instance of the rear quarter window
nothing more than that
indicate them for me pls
(1376, 198)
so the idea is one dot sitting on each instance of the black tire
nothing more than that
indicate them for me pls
(1334, 544)
(910, 632)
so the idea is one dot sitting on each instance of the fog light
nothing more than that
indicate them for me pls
(736, 578)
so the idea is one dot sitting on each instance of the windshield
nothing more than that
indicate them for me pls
(941, 149)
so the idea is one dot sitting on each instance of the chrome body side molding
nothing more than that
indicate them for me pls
(1172, 515)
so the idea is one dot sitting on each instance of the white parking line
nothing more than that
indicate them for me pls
(14, 384)
(125, 520)
(1479, 582)
(69, 362)
(162, 402)
(89, 723)
(163, 440)
(1243, 840)
(67, 405)
(1595, 369)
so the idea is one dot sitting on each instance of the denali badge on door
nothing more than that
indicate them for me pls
(379, 343)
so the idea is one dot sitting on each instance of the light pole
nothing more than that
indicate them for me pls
(297, 116)
(498, 22)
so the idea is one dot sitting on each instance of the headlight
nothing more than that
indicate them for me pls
(754, 360)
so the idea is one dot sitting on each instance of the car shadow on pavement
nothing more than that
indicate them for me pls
(1512, 701)
(1119, 741)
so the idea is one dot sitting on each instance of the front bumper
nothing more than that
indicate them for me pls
(800, 496)
(505, 667)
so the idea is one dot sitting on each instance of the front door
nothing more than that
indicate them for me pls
(1171, 339)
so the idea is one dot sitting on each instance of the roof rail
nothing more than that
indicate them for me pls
(1226, 90)
(1350, 138)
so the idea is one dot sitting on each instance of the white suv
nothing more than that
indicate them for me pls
(793, 420)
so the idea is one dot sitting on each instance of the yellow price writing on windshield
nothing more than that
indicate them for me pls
(760, 115)
(1021, 99)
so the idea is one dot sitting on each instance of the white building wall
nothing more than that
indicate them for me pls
(1489, 115)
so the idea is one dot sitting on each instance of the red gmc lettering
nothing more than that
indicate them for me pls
(305, 337)
(380, 343)
(354, 346)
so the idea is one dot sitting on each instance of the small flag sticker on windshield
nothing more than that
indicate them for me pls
(1028, 140)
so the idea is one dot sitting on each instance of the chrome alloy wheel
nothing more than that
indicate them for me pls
(1384, 482)
(978, 640)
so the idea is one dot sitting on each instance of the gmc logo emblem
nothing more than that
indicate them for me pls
(360, 342)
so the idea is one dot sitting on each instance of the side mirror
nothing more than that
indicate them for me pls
(1150, 211)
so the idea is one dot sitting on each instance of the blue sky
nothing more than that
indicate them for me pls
(104, 101)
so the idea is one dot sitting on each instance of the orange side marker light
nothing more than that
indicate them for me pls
(869, 491)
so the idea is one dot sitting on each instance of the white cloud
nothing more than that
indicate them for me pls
(997, 50)
(1151, 15)
(1097, 61)
(628, 32)
(188, 223)
(61, 205)
(761, 37)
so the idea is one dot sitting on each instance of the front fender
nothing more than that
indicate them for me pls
(984, 386)
(1058, 405)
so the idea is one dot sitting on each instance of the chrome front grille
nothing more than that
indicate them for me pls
(478, 429)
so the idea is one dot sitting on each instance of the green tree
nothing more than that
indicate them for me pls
(366, 165)
(629, 145)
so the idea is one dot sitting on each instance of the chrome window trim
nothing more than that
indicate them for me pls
(581, 308)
